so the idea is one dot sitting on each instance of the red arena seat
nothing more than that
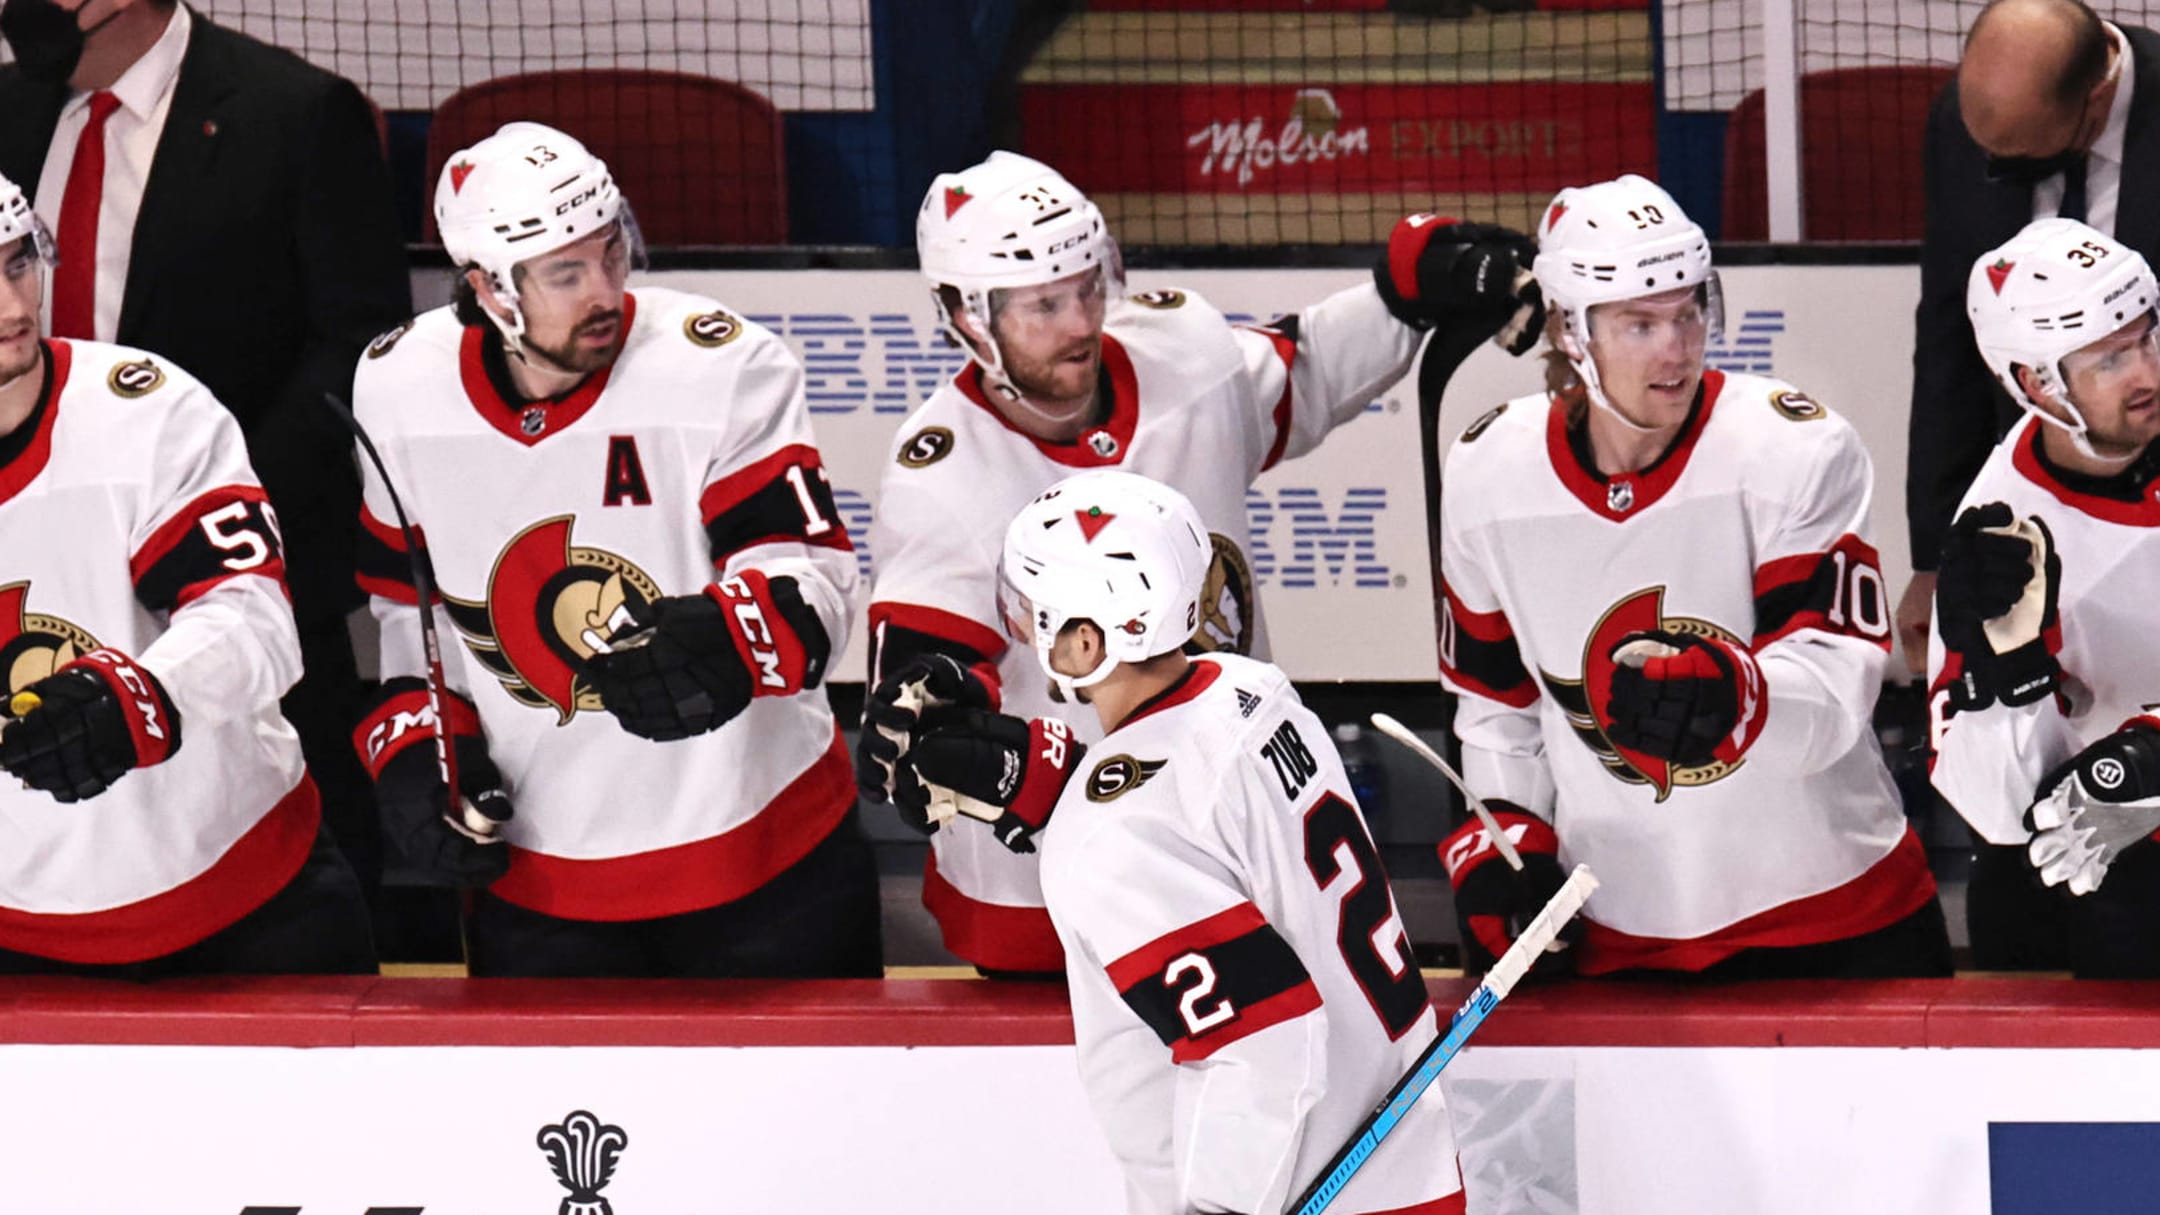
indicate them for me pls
(1860, 135)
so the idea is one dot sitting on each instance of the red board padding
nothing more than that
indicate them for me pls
(917, 1012)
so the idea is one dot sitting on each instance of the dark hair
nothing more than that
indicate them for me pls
(2088, 62)
(465, 298)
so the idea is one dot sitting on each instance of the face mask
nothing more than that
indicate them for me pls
(46, 41)
(2031, 170)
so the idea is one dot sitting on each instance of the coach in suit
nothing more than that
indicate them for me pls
(2053, 112)
(224, 204)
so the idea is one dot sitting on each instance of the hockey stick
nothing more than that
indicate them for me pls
(1500, 980)
(1401, 733)
(475, 824)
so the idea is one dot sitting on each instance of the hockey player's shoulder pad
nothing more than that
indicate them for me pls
(1785, 436)
(386, 341)
(1497, 440)
(1190, 344)
(690, 324)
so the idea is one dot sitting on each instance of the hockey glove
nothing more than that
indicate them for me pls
(689, 664)
(1002, 770)
(2105, 800)
(1439, 271)
(96, 719)
(892, 714)
(432, 844)
(1494, 902)
(1686, 699)
(1995, 600)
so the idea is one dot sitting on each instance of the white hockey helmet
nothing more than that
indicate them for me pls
(1111, 547)
(1007, 222)
(526, 190)
(17, 221)
(2053, 289)
(1613, 241)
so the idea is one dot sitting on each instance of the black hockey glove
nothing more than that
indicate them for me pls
(1995, 605)
(1003, 770)
(430, 843)
(1439, 271)
(95, 720)
(2091, 809)
(1686, 699)
(891, 716)
(1493, 902)
(690, 664)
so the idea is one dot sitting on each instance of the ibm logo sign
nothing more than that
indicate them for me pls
(1747, 348)
(1300, 540)
(886, 362)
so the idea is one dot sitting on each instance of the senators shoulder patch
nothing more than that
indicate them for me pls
(1796, 405)
(710, 329)
(1161, 300)
(382, 344)
(927, 447)
(1471, 432)
(1119, 775)
(135, 379)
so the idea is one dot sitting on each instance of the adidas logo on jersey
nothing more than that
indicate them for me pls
(1246, 703)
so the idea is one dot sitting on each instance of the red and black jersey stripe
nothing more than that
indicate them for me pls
(781, 498)
(1839, 590)
(903, 632)
(226, 533)
(1283, 334)
(1478, 652)
(382, 565)
(1211, 983)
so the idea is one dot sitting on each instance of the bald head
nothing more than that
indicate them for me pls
(2029, 71)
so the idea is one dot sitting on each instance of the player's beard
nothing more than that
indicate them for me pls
(1061, 379)
(575, 357)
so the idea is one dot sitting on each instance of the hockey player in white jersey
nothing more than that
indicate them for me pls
(1667, 628)
(160, 819)
(639, 559)
(2045, 667)
(1068, 372)
(1243, 993)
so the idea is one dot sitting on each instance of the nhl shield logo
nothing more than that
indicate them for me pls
(583, 1152)
(1620, 496)
(551, 605)
(1103, 443)
(1587, 702)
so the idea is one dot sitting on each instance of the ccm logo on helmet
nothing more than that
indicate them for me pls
(577, 200)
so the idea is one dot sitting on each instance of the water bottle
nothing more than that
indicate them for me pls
(1361, 763)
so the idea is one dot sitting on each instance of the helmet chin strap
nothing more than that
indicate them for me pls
(2080, 435)
(1579, 358)
(996, 377)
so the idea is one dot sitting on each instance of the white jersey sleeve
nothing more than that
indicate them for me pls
(1822, 612)
(1201, 966)
(210, 556)
(1496, 713)
(767, 503)
(1319, 368)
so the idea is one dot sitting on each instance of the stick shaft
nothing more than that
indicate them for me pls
(1501, 980)
(1402, 734)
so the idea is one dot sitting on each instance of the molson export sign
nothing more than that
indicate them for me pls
(1490, 137)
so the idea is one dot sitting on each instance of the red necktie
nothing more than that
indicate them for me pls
(74, 310)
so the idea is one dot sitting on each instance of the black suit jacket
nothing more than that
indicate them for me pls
(266, 255)
(1959, 412)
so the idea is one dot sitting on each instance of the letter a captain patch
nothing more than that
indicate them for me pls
(625, 474)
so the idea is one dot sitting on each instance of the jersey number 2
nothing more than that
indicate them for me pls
(1395, 988)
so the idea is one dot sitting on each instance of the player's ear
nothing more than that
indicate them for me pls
(483, 289)
(2029, 381)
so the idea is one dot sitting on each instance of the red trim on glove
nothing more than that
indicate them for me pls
(407, 720)
(1053, 753)
(1751, 693)
(1470, 845)
(152, 721)
(776, 659)
(1406, 243)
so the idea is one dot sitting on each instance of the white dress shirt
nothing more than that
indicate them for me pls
(2104, 160)
(145, 91)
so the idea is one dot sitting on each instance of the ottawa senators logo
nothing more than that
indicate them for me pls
(1226, 603)
(1588, 701)
(34, 646)
(550, 605)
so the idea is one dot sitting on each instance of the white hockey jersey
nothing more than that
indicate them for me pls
(130, 520)
(1989, 763)
(689, 458)
(1196, 403)
(1243, 992)
(1754, 529)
